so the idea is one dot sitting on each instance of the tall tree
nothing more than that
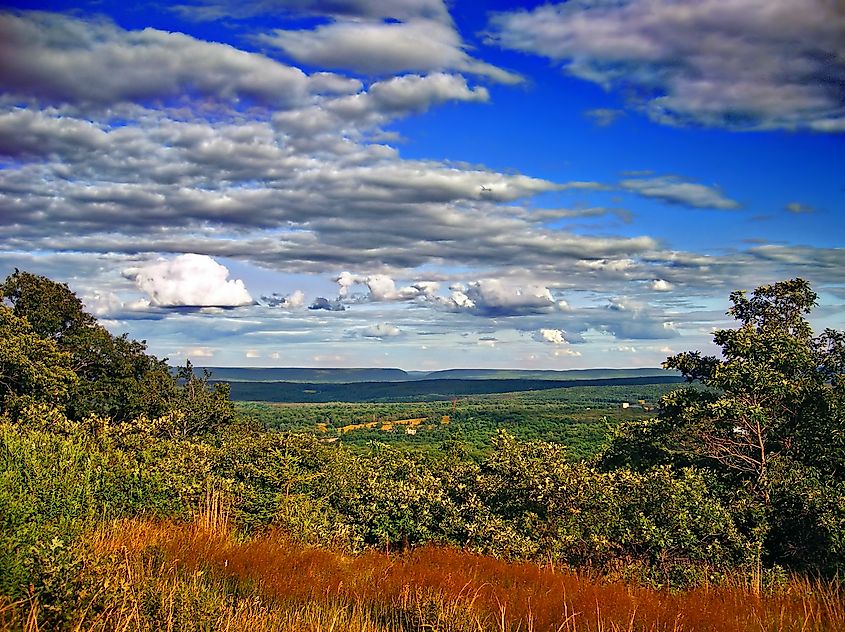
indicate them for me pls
(117, 378)
(767, 413)
(113, 376)
(774, 393)
(51, 308)
(32, 368)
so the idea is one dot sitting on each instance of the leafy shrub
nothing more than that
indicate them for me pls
(55, 487)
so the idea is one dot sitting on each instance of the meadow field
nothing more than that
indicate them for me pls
(580, 417)
(202, 575)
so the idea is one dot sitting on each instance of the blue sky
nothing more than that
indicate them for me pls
(421, 184)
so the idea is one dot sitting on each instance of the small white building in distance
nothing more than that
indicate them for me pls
(625, 405)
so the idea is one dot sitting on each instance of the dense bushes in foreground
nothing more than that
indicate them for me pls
(523, 502)
(742, 476)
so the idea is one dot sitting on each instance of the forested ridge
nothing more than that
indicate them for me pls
(739, 478)
(411, 391)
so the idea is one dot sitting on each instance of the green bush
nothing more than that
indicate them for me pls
(56, 487)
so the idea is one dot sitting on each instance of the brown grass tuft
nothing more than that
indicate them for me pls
(438, 588)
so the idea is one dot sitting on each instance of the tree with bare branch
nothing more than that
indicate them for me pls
(766, 419)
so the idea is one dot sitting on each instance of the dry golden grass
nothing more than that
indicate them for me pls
(446, 589)
(162, 576)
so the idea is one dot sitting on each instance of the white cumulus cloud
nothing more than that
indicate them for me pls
(96, 62)
(551, 336)
(661, 285)
(566, 351)
(382, 288)
(495, 297)
(189, 280)
(673, 190)
(195, 352)
(294, 300)
(381, 330)
(377, 47)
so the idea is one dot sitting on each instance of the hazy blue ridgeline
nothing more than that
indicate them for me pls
(347, 375)
(414, 390)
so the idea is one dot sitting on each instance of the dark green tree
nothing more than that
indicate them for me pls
(766, 413)
(51, 308)
(32, 368)
(204, 406)
(113, 376)
(774, 394)
(117, 378)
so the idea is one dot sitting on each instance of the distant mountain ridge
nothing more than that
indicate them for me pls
(419, 390)
(530, 374)
(352, 375)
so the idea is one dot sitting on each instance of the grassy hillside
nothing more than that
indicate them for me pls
(252, 532)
